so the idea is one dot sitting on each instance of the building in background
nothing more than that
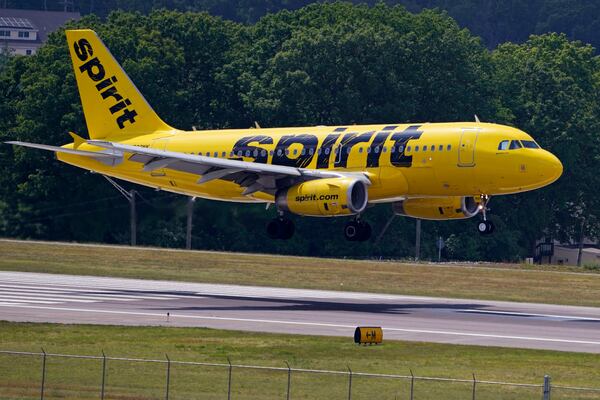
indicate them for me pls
(24, 31)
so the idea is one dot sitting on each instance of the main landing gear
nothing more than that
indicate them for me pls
(357, 230)
(485, 227)
(280, 228)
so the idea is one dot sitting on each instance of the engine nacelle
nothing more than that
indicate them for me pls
(324, 197)
(439, 208)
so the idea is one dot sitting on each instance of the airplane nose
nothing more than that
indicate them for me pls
(553, 168)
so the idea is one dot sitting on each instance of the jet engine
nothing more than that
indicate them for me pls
(324, 197)
(439, 208)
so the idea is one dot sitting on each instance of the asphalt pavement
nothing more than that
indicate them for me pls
(36, 297)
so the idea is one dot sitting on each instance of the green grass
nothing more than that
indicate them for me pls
(513, 282)
(67, 378)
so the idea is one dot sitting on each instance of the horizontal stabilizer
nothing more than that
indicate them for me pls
(63, 150)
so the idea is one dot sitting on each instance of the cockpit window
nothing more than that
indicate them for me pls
(515, 144)
(503, 145)
(530, 144)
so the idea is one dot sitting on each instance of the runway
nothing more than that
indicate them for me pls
(36, 297)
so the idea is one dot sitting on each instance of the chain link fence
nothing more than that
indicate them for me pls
(31, 375)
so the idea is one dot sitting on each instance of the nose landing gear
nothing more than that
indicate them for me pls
(357, 230)
(485, 227)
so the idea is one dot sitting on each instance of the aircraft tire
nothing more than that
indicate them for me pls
(352, 231)
(485, 227)
(365, 232)
(280, 228)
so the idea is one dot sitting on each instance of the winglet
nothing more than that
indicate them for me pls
(78, 140)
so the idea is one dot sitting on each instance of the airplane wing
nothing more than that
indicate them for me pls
(254, 177)
(93, 154)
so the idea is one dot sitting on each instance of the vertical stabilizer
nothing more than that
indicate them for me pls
(112, 105)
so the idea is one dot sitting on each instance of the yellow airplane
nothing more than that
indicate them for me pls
(435, 171)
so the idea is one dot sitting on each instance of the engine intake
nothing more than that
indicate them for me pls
(324, 197)
(443, 208)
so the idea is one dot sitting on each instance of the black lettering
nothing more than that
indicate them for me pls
(323, 156)
(89, 67)
(83, 49)
(111, 91)
(105, 83)
(398, 158)
(261, 154)
(348, 141)
(376, 149)
(128, 115)
(304, 156)
(119, 106)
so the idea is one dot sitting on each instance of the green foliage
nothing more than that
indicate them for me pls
(333, 63)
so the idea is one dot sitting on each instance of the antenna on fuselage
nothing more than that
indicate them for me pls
(477, 119)
(256, 125)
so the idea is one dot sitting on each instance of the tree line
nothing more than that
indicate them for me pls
(495, 21)
(324, 64)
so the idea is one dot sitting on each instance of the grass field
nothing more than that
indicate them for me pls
(20, 375)
(546, 284)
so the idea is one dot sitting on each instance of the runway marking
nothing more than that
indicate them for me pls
(522, 314)
(268, 321)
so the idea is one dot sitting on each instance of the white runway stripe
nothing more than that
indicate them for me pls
(88, 293)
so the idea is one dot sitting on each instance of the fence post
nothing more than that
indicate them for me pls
(349, 383)
(412, 384)
(168, 375)
(229, 380)
(474, 385)
(103, 375)
(43, 374)
(289, 381)
(547, 388)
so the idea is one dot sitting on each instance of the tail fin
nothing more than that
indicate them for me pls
(112, 105)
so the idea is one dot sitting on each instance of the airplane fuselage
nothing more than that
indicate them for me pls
(402, 160)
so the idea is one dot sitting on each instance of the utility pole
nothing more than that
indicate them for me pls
(190, 214)
(130, 196)
(418, 241)
(581, 239)
(132, 217)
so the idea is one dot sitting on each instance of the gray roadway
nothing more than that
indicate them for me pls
(78, 299)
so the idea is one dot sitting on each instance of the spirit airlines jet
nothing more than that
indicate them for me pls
(434, 171)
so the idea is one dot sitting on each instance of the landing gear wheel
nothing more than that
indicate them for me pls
(357, 231)
(485, 227)
(280, 228)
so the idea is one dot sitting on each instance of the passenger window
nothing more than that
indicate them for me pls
(295, 151)
(223, 154)
(433, 147)
(239, 153)
(449, 147)
(287, 152)
(360, 149)
(270, 152)
(377, 149)
(441, 148)
(247, 153)
(416, 148)
(311, 151)
(393, 149)
(199, 153)
(400, 148)
(279, 152)
(515, 144)
(327, 151)
(503, 145)
(408, 148)
(255, 153)
(384, 149)
(368, 150)
(216, 154)
(425, 148)
(303, 151)
(231, 154)
(530, 144)
(263, 153)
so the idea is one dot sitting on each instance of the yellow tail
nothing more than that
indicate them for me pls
(112, 105)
